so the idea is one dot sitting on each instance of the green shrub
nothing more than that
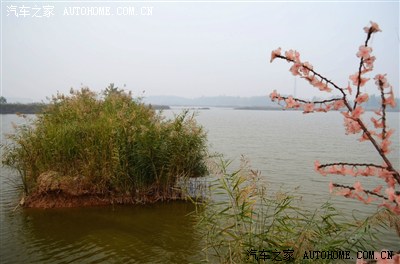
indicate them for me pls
(111, 142)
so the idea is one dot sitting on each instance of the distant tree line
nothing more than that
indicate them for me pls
(35, 108)
(32, 108)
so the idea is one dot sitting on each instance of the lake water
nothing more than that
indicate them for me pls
(282, 145)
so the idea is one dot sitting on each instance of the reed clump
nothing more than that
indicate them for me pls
(244, 222)
(108, 143)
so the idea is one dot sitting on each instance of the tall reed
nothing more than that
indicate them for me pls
(111, 142)
(244, 222)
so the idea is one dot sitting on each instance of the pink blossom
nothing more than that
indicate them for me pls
(295, 69)
(390, 101)
(377, 124)
(357, 112)
(370, 199)
(351, 126)
(388, 134)
(369, 171)
(328, 107)
(385, 145)
(291, 103)
(314, 81)
(310, 79)
(317, 165)
(349, 171)
(274, 95)
(364, 52)
(363, 137)
(387, 176)
(381, 81)
(374, 28)
(360, 198)
(292, 55)
(345, 192)
(333, 170)
(349, 89)
(384, 174)
(321, 109)
(390, 193)
(338, 104)
(377, 190)
(363, 81)
(323, 86)
(357, 187)
(306, 67)
(354, 79)
(322, 172)
(275, 53)
(362, 98)
(369, 62)
(343, 170)
(318, 169)
(308, 108)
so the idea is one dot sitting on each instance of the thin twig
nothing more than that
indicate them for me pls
(351, 164)
(309, 102)
(365, 191)
(360, 68)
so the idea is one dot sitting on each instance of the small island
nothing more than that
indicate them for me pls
(86, 149)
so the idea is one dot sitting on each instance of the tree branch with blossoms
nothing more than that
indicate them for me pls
(353, 122)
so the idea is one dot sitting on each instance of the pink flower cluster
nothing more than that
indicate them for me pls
(302, 69)
(308, 107)
(379, 135)
(357, 191)
(373, 28)
(388, 96)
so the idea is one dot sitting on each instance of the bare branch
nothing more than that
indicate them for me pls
(365, 191)
(351, 164)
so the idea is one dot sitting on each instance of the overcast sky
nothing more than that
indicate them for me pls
(190, 49)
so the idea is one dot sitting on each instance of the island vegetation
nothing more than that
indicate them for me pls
(87, 148)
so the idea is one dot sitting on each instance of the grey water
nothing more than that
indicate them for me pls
(282, 145)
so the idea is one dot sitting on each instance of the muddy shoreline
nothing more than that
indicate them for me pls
(63, 200)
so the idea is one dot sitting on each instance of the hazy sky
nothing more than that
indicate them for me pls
(189, 49)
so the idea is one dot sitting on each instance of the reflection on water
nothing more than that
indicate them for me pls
(282, 145)
(159, 233)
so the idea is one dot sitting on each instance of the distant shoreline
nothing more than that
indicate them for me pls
(35, 108)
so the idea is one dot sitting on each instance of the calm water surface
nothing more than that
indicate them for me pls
(282, 145)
